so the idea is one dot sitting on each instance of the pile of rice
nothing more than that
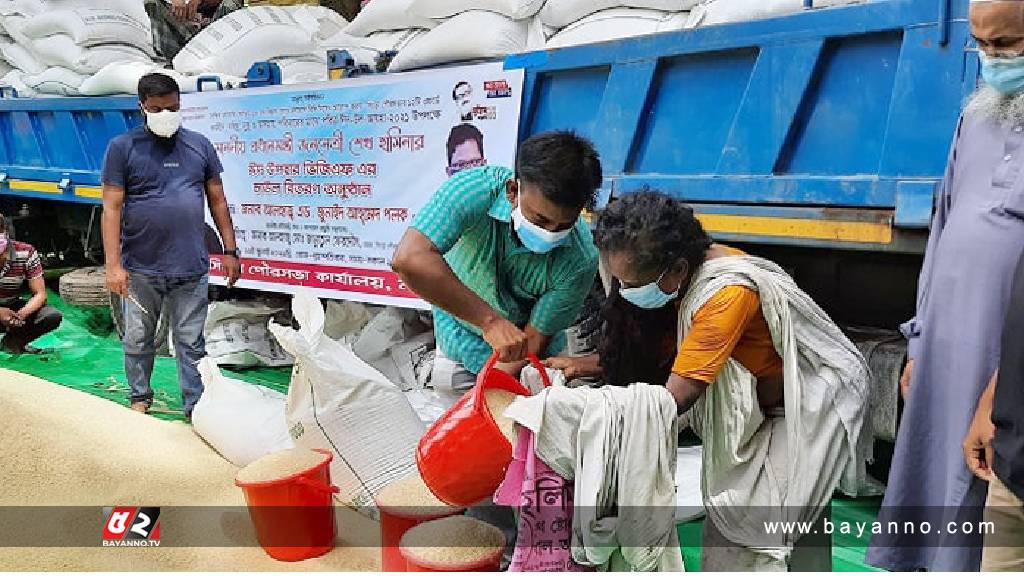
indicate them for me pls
(453, 542)
(497, 401)
(411, 498)
(69, 449)
(280, 465)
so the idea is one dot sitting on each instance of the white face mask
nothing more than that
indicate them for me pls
(164, 124)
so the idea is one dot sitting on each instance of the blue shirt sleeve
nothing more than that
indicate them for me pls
(115, 164)
(213, 166)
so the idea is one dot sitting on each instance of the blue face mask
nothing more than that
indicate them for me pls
(1006, 75)
(650, 296)
(534, 238)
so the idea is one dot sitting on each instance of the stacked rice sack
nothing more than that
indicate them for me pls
(587, 21)
(429, 33)
(54, 46)
(290, 36)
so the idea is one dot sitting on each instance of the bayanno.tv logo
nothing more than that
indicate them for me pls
(131, 526)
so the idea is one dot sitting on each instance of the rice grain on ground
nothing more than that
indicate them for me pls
(66, 448)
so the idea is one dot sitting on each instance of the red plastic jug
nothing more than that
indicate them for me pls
(463, 456)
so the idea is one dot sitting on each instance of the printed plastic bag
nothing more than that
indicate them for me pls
(545, 501)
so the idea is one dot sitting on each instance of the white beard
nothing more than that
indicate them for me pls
(990, 104)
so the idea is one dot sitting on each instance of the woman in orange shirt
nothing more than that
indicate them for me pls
(652, 245)
(776, 444)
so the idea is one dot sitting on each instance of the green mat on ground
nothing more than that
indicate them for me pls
(85, 354)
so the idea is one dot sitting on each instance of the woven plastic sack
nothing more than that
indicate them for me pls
(92, 26)
(473, 35)
(16, 55)
(562, 13)
(61, 50)
(387, 15)
(16, 79)
(338, 402)
(727, 11)
(321, 22)
(441, 9)
(618, 23)
(365, 50)
(231, 44)
(57, 81)
(241, 421)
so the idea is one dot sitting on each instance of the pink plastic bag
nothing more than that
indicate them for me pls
(544, 503)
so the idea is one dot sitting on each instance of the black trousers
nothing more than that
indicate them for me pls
(44, 321)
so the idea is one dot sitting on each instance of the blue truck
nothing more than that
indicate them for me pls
(816, 138)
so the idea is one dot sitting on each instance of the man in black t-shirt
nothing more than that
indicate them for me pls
(994, 446)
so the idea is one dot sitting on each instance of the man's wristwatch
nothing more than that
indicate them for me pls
(233, 253)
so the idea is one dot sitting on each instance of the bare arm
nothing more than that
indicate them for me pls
(218, 204)
(577, 367)
(977, 444)
(37, 286)
(110, 224)
(686, 391)
(423, 268)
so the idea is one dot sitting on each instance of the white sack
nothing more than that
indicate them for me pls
(428, 404)
(136, 9)
(473, 35)
(61, 50)
(241, 421)
(237, 335)
(320, 21)
(5, 68)
(345, 318)
(16, 79)
(234, 42)
(378, 16)
(442, 9)
(365, 50)
(414, 361)
(22, 59)
(303, 69)
(22, 7)
(57, 81)
(562, 13)
(336, 401)
(726, 11)
(618, 23)
(91, 26)
(14, 26)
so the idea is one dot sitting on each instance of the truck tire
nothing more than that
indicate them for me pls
(85, 287)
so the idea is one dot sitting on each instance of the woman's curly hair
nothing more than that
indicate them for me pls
(657, 231)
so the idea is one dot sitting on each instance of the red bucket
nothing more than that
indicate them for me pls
(394, 523)
(463, 456)
(489, 563)
(294, 516)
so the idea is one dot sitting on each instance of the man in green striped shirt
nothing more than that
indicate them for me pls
(504, 256)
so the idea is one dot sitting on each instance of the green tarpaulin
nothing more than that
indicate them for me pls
(85, 354)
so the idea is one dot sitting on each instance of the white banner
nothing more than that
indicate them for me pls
(324, 179)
